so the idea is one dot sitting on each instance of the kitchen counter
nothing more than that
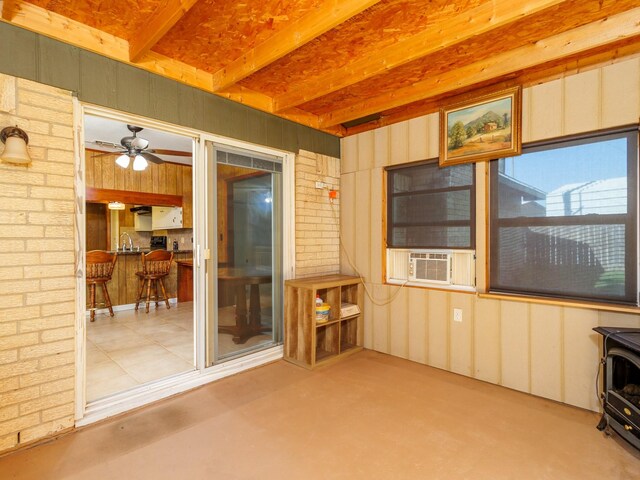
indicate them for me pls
(185, 280)
(124, 285)
(145, 250)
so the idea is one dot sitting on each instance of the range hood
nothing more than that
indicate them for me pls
(141, 209)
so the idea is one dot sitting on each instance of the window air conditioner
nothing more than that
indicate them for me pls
(430, 267)
(438, 268)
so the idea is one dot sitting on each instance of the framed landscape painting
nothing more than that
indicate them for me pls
(482, 129)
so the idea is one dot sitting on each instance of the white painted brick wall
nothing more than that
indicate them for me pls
(317, 219)
(37, 283)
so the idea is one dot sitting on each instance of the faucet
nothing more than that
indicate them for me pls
(124, 248)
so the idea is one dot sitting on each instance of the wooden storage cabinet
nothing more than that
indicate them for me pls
(309, 343)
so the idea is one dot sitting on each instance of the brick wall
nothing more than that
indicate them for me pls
(317, 220)
(37, 258)
(37, 283)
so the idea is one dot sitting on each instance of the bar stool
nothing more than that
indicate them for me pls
(99, 270)
(155, 266)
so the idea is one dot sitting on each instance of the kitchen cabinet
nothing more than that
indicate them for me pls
(165, 179)
(185, 280)
(142, 223)
(166, 218)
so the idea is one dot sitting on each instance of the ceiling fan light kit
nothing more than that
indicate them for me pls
(140, 163)
(136, 148)
(123, 160)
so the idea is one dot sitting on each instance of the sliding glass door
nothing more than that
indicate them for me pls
(244, 264)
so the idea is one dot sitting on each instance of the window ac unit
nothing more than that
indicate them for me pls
(430, 267)
(440, 268)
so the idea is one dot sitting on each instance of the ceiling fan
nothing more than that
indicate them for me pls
(137, 149)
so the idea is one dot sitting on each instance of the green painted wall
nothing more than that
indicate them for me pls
(102, 81)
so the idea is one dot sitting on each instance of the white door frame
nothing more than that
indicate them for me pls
(144, 394)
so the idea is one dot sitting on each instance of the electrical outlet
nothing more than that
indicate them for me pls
(457, 315)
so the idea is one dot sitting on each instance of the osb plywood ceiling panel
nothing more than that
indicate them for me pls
(367, 32)
(121, 18)
(524, 32)
(345, 66)
(216, 31)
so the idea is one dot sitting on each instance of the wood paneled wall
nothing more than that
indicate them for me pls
(226, 173)
(545, 350)
(165, 178)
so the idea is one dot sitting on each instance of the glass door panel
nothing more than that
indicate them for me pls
(245, 269)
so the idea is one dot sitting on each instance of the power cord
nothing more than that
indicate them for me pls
(379, 303)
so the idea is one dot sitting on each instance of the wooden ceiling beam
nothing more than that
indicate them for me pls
(322, 19)
(61, 28)
(461, 26)
(623, 51)
(9, 9)
(590, 36)
(39, 20)
(162, 20)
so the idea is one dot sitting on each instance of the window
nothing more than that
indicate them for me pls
(564, 218)
(431, 207)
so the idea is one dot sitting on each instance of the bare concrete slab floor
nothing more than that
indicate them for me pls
(371, 416)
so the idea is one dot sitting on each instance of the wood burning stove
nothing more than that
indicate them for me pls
(621, 382)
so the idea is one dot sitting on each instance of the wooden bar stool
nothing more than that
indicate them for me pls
(99, 270)
(155, 266)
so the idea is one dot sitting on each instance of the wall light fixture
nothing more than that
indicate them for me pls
(15, 146)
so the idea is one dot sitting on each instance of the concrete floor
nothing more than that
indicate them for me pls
(371, 416)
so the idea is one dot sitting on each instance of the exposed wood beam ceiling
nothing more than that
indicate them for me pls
(476, 21)
(155, 28)
(581, 39)
(327, 16)
(324, 63)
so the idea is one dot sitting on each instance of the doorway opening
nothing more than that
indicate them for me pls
(217, 208)
(139, 252)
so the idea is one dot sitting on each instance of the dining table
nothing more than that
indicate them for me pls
(232, 283)
(237, 279)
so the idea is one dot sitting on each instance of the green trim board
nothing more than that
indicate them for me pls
(112, 84)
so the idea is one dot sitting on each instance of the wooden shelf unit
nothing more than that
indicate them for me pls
(309, 343)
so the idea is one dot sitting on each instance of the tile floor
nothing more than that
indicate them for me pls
(133, 348)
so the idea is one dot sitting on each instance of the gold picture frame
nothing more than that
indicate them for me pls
(484, 128)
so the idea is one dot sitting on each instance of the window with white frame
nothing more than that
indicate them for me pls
(431, 225)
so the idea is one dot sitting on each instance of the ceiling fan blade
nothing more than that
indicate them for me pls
(177, 153)
(151, 158)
